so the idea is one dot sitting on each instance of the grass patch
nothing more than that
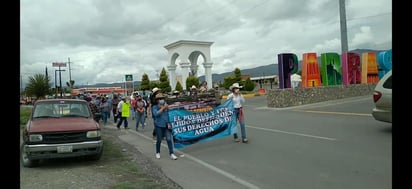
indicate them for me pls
(24, 115)
(119, 163)
(114, 161)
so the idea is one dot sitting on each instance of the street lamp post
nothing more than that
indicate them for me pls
(55, 83)
(57, 64)
(60, 78)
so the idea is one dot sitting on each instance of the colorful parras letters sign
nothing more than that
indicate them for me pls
(190, 127)
(350, 68)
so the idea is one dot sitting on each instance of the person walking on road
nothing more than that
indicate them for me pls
(162, 125)
(140, 114)
(123, 112)
(153, 102)
(238, 100)
(105, 109)
(115, 102)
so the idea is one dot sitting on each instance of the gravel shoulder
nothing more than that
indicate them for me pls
(121, 166)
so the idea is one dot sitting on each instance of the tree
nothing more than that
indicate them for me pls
(70, 84)
(249, 85)
(164, 81)
(39, 86)
(179, 87)
(145, 84)
(154, 84)
(191, 80)
(238, 76)
(228, 81)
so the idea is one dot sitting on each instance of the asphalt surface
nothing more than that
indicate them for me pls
(329, 145)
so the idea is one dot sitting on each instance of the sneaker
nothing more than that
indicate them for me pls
(245, 140)
(237, 140)
(158, 155)
(173, 156)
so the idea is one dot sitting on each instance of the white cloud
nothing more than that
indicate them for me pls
(107, 39)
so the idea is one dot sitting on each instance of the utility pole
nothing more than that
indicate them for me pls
(343, 29)
(60, 78)
(70, 73)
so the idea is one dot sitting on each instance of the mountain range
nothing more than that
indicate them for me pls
(271, 69)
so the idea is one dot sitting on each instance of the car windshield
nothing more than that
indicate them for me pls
(57, 109)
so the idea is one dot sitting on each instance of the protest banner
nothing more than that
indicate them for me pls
(190, 127)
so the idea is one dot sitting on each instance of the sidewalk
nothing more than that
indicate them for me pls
(187, 171)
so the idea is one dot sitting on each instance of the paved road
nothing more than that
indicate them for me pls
(329, 145)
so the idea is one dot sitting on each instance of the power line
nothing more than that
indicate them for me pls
(361, 17)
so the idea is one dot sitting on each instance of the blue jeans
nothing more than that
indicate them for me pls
(241, 121)
(140, 118)
(133, 111)
(105, 115)
(160, 132)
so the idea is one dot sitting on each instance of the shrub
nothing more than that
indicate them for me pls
(24, 115)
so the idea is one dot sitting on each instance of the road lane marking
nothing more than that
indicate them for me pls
(292, 133)
(220, 171)
(334, 113)
(209, 166)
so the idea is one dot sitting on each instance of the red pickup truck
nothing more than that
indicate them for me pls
(60, 128)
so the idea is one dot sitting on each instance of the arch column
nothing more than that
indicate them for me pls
(188, 52)
(194, 68)
(208, 74)
(185, 73)
(172, 70)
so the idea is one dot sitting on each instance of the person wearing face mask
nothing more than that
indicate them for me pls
(238, 100)
(162, 124)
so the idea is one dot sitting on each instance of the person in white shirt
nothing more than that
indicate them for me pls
(238, 100)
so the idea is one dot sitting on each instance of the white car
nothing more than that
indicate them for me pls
(382, 97)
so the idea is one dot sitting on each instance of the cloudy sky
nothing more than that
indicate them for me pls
(107, 39)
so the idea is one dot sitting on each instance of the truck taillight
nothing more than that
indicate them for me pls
(376, 96)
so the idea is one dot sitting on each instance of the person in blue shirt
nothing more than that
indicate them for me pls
(162, 125)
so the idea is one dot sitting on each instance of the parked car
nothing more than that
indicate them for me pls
(60, 128)
(382, 97)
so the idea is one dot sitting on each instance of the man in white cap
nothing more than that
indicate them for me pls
(193, 92)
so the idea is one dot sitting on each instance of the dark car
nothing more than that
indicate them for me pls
(60, 128)
(382, 97)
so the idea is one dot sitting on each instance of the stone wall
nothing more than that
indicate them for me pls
(280, 98)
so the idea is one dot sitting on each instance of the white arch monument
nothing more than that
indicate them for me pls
(188, 52)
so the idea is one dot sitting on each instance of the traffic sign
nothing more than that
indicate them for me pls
(129, 77)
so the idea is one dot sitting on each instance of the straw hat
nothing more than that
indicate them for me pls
(235, 85)
(193, 87)
(160, 95)
(155, 89)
